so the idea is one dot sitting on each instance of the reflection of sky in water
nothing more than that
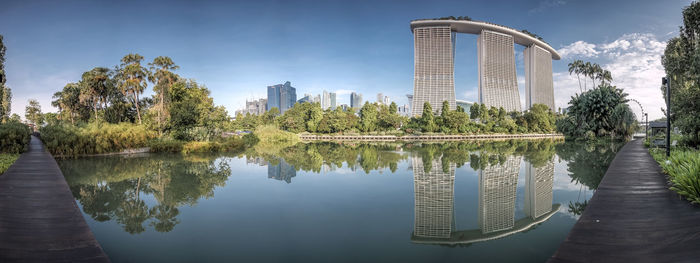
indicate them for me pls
(324, 213)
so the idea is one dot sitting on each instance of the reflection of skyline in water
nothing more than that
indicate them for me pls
(282, 171)
(434, 201)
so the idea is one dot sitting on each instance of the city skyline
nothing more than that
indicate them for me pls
(230, 58)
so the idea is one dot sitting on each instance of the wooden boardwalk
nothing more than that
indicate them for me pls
(634, 217)
(39, 219)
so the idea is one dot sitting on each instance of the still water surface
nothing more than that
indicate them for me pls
(500, 201)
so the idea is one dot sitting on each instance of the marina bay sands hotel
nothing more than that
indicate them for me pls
(434, 49)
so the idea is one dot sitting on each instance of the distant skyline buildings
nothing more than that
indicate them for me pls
(282, 96)
(254, 107)
(328, 100)
(355, 100)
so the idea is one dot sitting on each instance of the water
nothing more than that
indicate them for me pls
(503, 201)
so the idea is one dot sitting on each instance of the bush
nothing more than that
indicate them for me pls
(270, 134)
(225, 145)
(166, 145)
(683, 169)
(94, 138)
(14, 137)
(7, 159)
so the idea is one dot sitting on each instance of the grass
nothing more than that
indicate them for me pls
(7, 159)
(683, 169)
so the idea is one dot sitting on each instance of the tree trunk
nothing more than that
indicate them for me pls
(138, 112)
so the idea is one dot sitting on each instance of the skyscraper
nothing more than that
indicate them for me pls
(433, 79)
(325, 100)
(380, 98)
(333, 104)
(282, 96)
(355, 100)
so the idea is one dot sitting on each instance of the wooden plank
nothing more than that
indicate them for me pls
(634, 217)
(39, 219)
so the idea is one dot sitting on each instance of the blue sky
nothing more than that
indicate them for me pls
(237, 49)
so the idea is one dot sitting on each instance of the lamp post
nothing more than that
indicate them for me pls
(667, 82)
(646, 127)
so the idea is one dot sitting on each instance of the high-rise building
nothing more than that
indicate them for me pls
(498, 84)
(282, 96)
(333, 103)
(410, 102)
(306, 98)
(316, 99)
(539, 85)
(433, 79)
(254, 107)
(325, 100)
(355, 100)
(386, 101)
(380, 98)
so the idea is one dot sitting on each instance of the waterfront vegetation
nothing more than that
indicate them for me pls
(680, 62)
(7, 159)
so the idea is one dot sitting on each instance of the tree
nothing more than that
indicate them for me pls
(427, 118)
(5, 93)
(269, 116)
(540, 119)
(575, 68)
(681, 61)
(368, 117)
(68, 100)
(193, 113)
(162, 77)
(96, 86)
(33, 113)
(590, 114)
(132, 79)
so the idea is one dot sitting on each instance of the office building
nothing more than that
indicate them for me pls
(282, 96)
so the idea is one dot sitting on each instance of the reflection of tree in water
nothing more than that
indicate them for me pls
(313, 156)
(110, 188)
(576, 208)
(587, 162)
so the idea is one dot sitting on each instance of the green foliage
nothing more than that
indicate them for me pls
(681, 60)
(683, 169)
(166, 145)
(596, 113)
(540, 119)
(6, 160)
(427, 119)
(272, 135)
(5, 92)
(193, 115)
(368, 117)
(14, 137)
(33, 113)
(94, 138)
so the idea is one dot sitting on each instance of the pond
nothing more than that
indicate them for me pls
(478, 201)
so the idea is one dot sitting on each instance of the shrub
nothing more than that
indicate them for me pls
(166, 145)
(683, 169)
(7, 159)
(14, 137)
(270, 134)
(94, 138)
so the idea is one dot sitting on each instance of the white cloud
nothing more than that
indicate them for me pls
(635, 63)
(578, 49)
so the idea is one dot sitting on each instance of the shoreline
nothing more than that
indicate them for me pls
(311, 137)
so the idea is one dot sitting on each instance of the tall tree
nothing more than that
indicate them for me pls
(68, 101)
(681, 61)
(427, 118)
(94, 85)
(33, 113)
(5, 94)
(132, 79)
(575, 68)
(162, 77)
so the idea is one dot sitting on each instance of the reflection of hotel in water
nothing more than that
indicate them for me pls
(497, 188)
(538, 189)
(434, 201)
(434, 198)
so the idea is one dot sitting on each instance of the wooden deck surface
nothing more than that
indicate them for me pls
(634, 217)
(39, 219)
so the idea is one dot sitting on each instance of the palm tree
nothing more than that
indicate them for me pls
(575, 67)
(132, 79)
(162, 77)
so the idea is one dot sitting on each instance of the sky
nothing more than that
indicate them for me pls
(238, 48)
